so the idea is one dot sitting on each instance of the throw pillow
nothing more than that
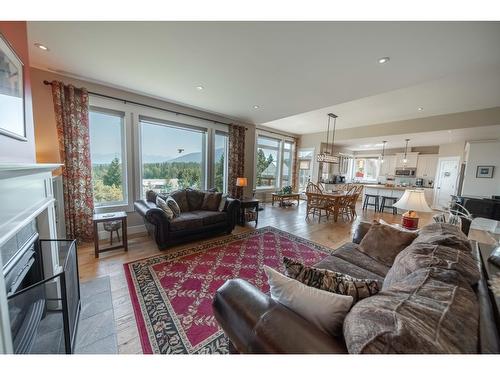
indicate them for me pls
(151, 196)
(165, 208)
(195, 199)
(211, 201)
(444, 234)
(324, 309)
(180, 197)
(222, 204)
(172, 204)
(383, 243)
(331, 281)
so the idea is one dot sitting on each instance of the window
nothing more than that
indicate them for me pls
(366, 169)
(107, 153)
(173, 156)
(220, 161)
(286, 170)
(305, 158)
(267, 162)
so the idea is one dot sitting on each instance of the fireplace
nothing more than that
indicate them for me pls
(39, 321)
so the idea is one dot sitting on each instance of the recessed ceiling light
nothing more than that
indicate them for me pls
(420, 109)
(383, 60)
(199, 88)
(256, 107)
(41, 46)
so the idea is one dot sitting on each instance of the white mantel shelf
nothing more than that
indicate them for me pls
(9, 170)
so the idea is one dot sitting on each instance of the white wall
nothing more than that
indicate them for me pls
(482, 153)
(452, 149)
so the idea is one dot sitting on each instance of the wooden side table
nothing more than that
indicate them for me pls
(249, 204)
(113, 216)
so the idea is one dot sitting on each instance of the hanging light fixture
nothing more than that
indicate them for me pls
(383, 151)
(327, 156)
(405, 159)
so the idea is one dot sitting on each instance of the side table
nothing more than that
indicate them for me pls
(249, 211)
(113, 216)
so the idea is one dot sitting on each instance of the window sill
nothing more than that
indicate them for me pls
(114, 208)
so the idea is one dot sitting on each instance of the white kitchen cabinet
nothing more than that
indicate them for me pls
(426, 166)
(411, 157)
(388, 167)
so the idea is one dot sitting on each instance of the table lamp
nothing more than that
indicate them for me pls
(413, 201)
(241, 182)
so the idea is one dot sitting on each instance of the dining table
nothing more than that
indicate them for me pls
(334, 197)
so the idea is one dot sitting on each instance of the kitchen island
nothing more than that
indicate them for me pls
(396, 191)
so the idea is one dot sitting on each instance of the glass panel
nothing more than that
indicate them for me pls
(172, 157)
(270, 142)
(220, 161)
(267, 167)
(286, 175)
(366, 169)
(108, 157)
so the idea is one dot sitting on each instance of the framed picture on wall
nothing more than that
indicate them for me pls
(12, 122)
(485, 171)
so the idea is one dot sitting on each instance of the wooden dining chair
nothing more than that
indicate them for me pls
(316, 201)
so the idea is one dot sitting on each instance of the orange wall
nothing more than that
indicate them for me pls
(12, 150)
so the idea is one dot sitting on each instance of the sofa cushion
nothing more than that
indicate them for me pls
(211, 201)
(151, 196)
(336, 264)
(186, 220)
(174, 207)
(329, 309)
(383, 243)
(194, 199)
(331, 281)
(432, 310)
(211, 217)
(350, 253)
(423, 255)
(444, 234)
(181, 198)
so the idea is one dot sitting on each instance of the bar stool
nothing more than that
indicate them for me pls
(367, 203)
(391, 202)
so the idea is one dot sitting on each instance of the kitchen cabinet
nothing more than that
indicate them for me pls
(426, 166)
(388, 167)
(411, 157)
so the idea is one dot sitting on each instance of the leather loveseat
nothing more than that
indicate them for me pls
(193, 222)
(434, 299)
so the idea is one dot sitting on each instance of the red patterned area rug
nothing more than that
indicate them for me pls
(172, 293)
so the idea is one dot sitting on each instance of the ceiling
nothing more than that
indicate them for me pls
(435, 138)
(286, 68)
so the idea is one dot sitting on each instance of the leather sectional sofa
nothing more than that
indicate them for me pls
(193, 222)
(434, 299)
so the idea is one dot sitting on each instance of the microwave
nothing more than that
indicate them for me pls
(406, 172)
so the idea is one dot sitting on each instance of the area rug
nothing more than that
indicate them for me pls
(172, 293)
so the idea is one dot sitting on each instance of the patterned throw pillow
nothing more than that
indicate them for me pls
(222, 204)
(172, 204)
(151, 196)
(331, 281)
(211, 201)
(160, 202)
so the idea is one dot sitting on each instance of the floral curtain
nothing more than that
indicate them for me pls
(71, 107)
(236, 159)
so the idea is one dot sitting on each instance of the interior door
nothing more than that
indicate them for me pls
(446, 182)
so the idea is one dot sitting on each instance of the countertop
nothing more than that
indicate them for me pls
(402, 188)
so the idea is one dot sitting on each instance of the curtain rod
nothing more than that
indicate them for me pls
(125, 101)
(282, 134)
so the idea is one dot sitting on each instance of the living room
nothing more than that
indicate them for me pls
(263, 187)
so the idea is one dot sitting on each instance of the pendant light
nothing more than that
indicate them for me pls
(383, 151)
(327, 156)
(405, 159)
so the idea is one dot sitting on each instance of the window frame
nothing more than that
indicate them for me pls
(226, 160)
(109, 106)
(280, 152)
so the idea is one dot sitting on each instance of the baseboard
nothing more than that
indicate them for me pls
(134, 229)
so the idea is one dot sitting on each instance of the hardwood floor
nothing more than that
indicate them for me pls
(290, 219)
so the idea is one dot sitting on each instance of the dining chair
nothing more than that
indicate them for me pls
(316, 201)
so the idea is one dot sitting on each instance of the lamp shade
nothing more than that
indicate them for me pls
(242, 181)
(413, 200)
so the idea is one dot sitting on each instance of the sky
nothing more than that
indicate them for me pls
(159, 143)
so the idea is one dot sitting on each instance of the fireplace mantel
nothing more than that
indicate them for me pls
(25, 195)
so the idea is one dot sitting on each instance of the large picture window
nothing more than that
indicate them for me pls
(366, 169)
(173, 156)
(107, 153)
(221, 161)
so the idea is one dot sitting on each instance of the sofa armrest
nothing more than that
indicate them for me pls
(152, 213)
(255, 323)
(232, 208)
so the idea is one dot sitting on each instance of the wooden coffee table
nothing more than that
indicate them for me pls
(282, 198)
